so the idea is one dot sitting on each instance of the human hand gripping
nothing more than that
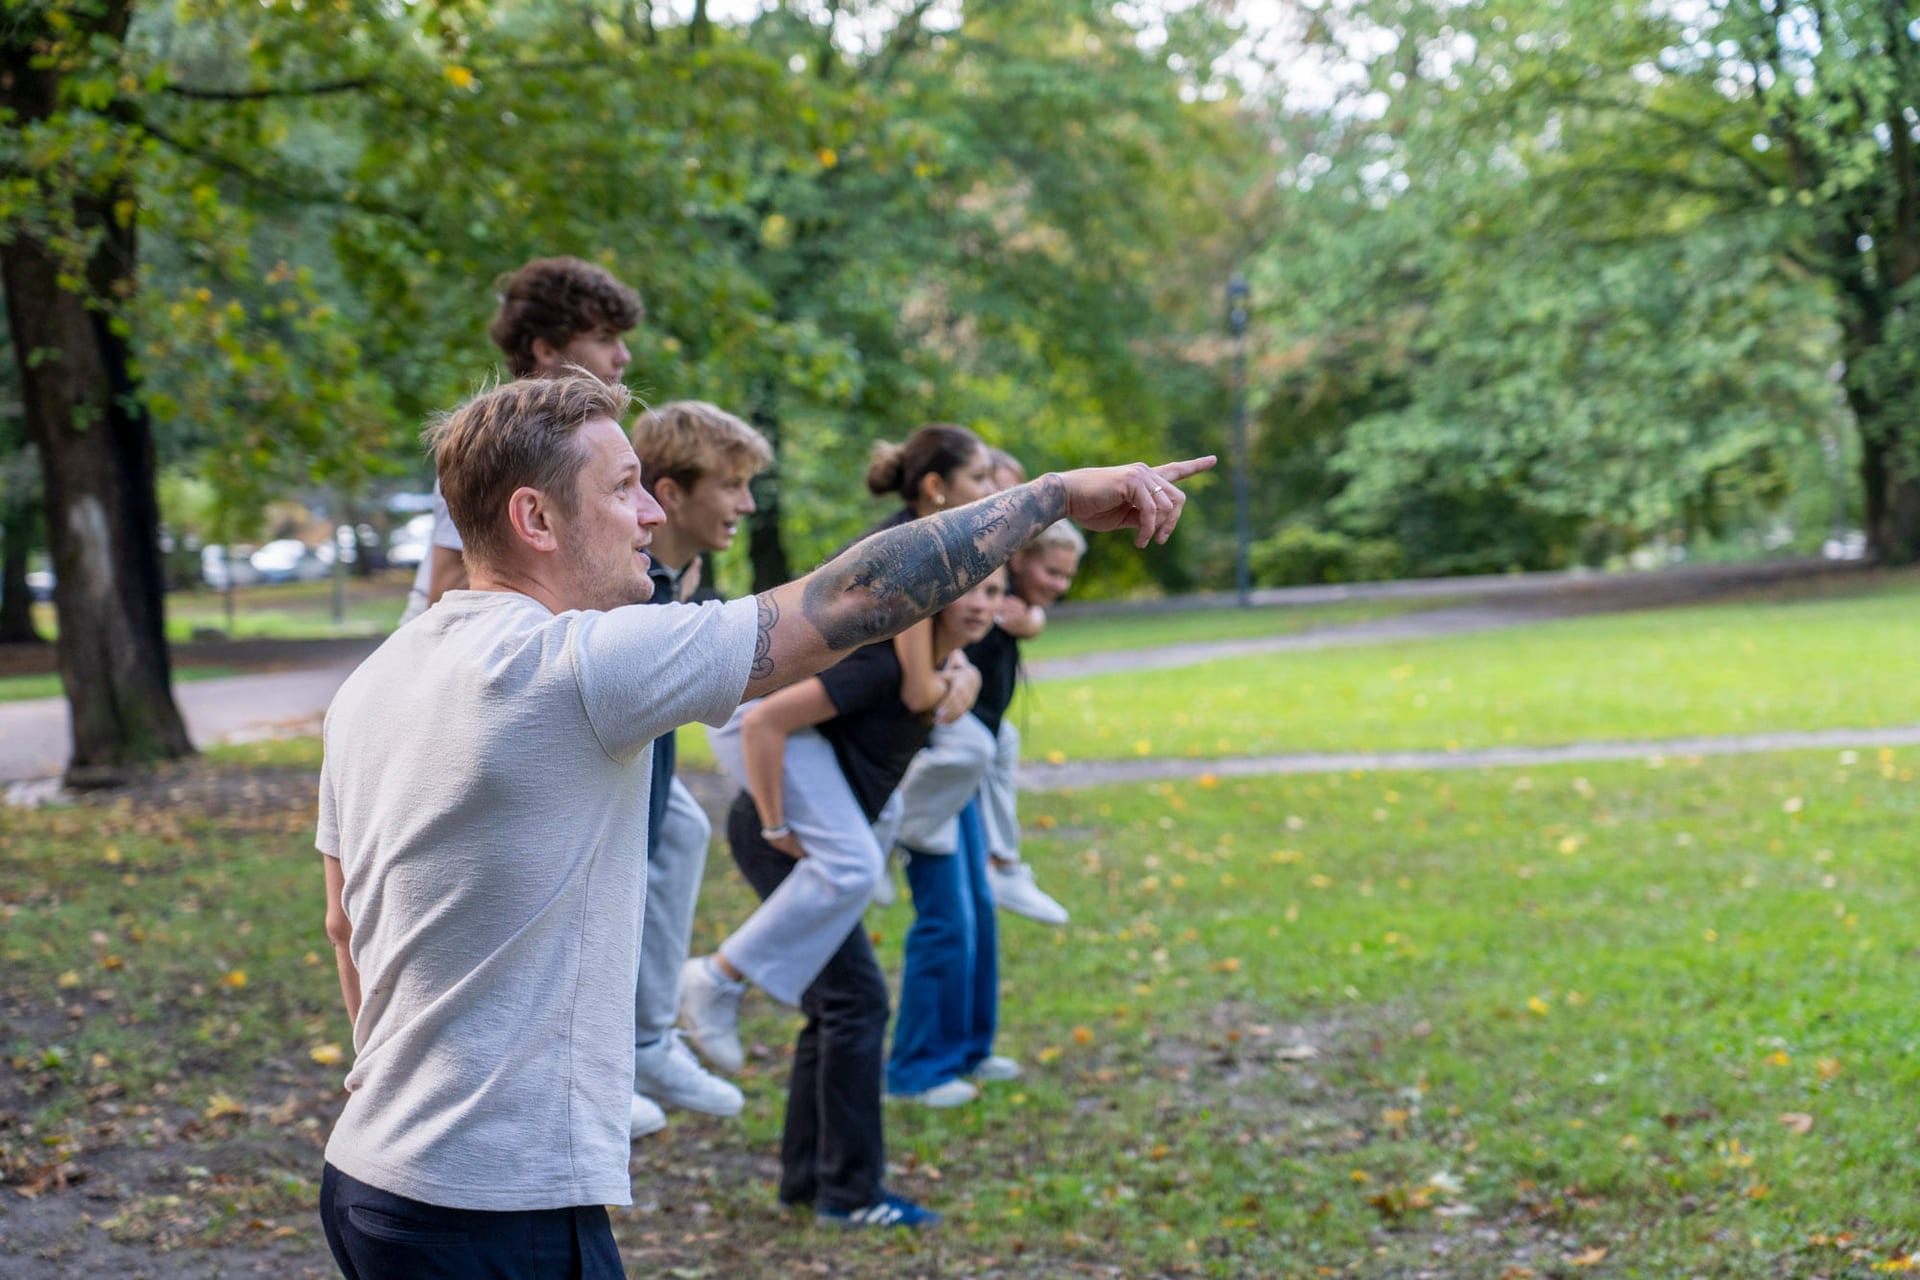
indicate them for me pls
(1135, 496)
(963, 688)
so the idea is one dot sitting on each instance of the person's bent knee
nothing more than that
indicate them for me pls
(851, 875)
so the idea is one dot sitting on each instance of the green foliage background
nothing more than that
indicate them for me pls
(1533, 285)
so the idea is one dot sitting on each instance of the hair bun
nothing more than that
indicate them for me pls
(885, 469)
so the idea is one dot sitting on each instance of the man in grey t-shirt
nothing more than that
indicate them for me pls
(483, 805)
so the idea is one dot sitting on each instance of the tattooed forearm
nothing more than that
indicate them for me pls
(763, 638)
(890, 581)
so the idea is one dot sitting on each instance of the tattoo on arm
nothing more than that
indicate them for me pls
(763, 639)
(895, 578)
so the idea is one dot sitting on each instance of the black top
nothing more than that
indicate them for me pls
(997, 654)
(875, 735)
(666, 586)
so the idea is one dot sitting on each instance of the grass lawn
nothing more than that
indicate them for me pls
(17, 688)
(1070, 636)
(1835, 661)
(1611, 1021)
(288, 610)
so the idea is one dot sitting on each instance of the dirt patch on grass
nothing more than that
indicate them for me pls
(195, 790)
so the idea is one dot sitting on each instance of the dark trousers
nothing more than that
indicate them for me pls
(376, 1235)
(833, 1154)
(950, 985)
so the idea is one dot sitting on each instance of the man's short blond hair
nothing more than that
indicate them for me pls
(520, 434)
(687, 440)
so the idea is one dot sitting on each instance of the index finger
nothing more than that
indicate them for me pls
(1181, 470)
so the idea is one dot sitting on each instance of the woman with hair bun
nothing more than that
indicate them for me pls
(939, 466)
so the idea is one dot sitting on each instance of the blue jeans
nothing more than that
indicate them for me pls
(376, 1235)
(950, 989)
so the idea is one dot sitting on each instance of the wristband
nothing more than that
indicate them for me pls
(770, 834)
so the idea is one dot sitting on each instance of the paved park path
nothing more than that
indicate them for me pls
(34, 733)
(1091, 773)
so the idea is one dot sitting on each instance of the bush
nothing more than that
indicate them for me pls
(1299, 554)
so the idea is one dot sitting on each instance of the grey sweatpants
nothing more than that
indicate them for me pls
(1000, 795)
(940, 781)
(787, 941)
(666, 932)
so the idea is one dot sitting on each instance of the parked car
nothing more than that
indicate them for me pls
(40, 585)
(412, 542)
(217, 570)
(290, 560)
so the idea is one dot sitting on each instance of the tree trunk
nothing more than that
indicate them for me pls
(1892, 490)
(16, 601)
(764, 548)
(96, 449)
(1889, 471)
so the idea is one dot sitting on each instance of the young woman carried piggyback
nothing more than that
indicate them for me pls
(843, 740)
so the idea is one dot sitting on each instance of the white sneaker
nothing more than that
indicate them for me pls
(996, 1068)
(1013, 890)
(667, 1070)
(710, 1011)
(948, 1093)
(644, 1116)
(884, 892)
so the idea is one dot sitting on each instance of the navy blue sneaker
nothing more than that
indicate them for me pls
(889, 1210)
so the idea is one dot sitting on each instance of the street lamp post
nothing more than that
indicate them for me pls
(1237, 293)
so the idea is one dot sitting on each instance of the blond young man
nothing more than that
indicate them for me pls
(482, 818)
(697, 461)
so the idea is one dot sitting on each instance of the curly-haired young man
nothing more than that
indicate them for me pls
(555, 314)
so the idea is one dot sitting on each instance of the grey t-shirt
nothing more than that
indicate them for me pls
(484, 787)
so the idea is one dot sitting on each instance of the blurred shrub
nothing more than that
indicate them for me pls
(1299, 553)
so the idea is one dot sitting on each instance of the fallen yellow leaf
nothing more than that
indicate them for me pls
(325, 1054)
(221, 1104)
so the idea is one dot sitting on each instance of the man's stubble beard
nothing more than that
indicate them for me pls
(609, 588)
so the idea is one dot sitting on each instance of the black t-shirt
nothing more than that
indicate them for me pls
(875, 735)
(666, 588)
(997, 654)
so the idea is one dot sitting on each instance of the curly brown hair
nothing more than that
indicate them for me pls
(558, 299)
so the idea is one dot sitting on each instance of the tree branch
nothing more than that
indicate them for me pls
(1680, 124)
(323, 89)
(905, 35)
(312, 195)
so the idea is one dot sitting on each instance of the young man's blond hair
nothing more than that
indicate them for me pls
(686, 441)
